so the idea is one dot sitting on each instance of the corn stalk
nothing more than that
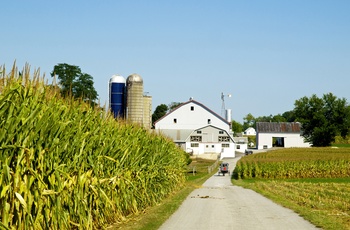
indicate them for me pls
(64, 165)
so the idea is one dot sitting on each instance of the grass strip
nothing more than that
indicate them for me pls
(323, 202)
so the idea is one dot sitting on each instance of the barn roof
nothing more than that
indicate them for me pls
(178, 135)
(199, 104)
(278, 127)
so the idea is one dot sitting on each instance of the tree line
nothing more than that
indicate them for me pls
(322, 118)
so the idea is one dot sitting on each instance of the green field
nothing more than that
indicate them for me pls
(314, 182)
(341, 145)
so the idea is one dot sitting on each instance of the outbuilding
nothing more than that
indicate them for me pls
(279, 134)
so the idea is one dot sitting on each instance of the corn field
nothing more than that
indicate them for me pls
(64, 165)
(295, 163)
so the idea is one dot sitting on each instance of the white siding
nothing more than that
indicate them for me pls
(204, 123)
(191, 116)
(264, 140)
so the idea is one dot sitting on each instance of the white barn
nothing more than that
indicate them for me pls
(279, 134)
(198, 130)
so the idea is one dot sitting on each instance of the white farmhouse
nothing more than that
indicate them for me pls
(279, 134)
(198, 130)
(250, 131)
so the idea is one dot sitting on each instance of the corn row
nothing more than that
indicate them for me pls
(295, 163)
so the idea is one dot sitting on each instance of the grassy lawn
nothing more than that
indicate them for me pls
(154, 217)
(323, 202)
(341, 145)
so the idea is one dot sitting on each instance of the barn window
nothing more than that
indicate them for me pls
(225, 145)
(221, 132)
(194, 145)
(192, 108)
(175, 120)
(223, 139)
(199, 131)
(209, 121)
(238, 147)
(196, 138)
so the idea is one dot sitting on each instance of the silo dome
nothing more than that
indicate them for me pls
(134, 78)
(117, 79)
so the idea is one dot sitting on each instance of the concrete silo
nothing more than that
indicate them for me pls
(147, 111)
(134, 98)
(117, 95)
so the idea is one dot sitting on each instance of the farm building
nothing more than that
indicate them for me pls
(249, 131)
(279, 134)
(241, 143)
(198, 130)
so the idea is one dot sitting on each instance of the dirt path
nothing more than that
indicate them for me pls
(220, 205)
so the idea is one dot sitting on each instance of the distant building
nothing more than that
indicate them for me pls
(279, 134)
(241, 143)
(250, 132)
(198, 130)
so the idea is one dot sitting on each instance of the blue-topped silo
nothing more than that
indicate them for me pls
(117, 96)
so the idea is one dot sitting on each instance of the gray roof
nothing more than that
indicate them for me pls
(240, 140)
(278, 127)
(177, 135)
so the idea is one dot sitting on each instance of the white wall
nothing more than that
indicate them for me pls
(227, 153)
(295, 141)
(204, 148)
(191, 119)
(242, 147)
(290, 140)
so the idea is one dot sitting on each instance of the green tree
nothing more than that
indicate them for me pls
(236, 127)
(289, 116)
(75, 83)
(323, 118)
(159, 112)
(248, 121)
(173, 105)
(264, 119)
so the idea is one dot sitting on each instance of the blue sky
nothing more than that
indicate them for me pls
(266, 53)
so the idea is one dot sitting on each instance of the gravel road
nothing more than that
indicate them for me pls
(220, 205)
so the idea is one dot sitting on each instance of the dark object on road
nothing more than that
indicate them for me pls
(248, 152)
(224, 169)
